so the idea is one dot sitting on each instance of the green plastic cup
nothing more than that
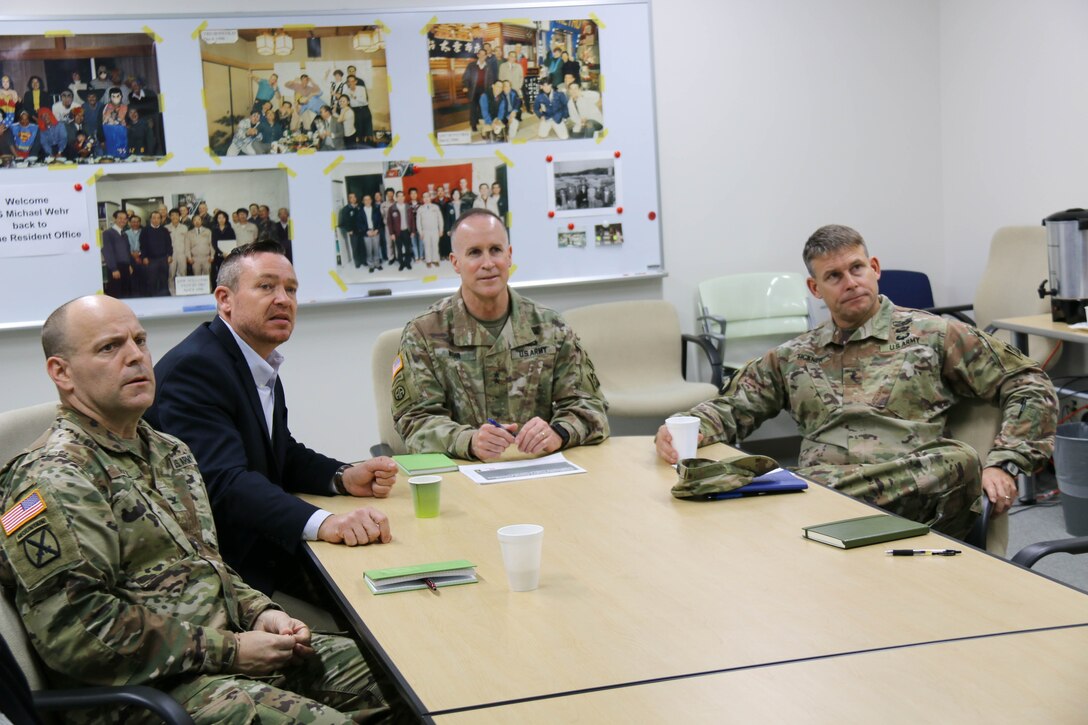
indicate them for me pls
(425, 495)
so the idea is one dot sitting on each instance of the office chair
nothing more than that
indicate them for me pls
(640, 357)
(1033, 552)
(21, 426)
(746, 315)
(977, 422)
(381, 373)
(907, 288)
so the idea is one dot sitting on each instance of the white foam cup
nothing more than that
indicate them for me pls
(684, 430)
(521, 546)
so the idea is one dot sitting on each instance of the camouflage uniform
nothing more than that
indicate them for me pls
(452, 375)
(872, 410)
(119, 581)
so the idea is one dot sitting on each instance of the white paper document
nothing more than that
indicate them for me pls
(546, 467)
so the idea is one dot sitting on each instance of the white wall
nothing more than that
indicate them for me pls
(1014, 120)
(924, 124)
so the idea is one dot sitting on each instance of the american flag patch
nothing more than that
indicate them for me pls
(22, 512)
(398, 365)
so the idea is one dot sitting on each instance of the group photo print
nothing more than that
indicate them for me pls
(276, 91)
(393, 218)
(165, 235)
(515, 80)
(86, 99)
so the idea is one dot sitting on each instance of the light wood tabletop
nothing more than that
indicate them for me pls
(966, 681)
(637, 585)
(1041, 325)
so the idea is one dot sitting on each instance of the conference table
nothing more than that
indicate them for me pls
(672, 604)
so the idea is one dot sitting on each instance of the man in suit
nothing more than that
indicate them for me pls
(116, 255)
(219, 392)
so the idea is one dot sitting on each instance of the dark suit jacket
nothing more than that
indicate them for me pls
(206, 396)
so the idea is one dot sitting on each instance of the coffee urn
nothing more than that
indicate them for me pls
(1067, 260)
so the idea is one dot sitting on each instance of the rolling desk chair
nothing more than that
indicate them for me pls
(640, 354)
(381, 371)
(748, 314)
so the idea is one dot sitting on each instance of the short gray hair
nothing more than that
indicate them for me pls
(830, 239)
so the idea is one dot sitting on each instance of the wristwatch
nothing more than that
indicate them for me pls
(1009, 467)
(338, 479)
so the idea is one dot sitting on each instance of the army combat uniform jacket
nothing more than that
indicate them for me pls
(118, 579)
(872, 409)
(452, 375)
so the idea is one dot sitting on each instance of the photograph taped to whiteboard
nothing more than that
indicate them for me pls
(586, 184)
(291, 90)
(515, 80)
(149, 246)
(63, 103)
(411, 242)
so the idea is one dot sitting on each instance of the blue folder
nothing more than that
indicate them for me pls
(780, 481)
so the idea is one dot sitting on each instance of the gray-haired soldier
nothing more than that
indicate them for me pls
(487, 353)
(109, 544)
(870, 392)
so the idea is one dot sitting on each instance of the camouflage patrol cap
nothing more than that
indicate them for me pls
(702, 477)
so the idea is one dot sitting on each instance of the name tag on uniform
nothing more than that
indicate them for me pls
(534, 351)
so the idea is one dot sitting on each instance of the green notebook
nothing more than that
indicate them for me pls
(405, 578)
(863, 531)
(418, 464)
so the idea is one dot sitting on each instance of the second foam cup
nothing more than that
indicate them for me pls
(521, 546)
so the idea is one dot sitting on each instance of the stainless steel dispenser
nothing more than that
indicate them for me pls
(1067, 261)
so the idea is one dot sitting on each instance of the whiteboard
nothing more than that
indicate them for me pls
(610, 238)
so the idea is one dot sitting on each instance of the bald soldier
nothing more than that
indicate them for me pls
(488, 354)
(870, 392)
(110, 546)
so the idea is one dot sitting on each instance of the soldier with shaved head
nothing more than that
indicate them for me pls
(110, 547)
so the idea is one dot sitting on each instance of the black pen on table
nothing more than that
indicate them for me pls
(496, 423)
(431, 585)
(922, 552)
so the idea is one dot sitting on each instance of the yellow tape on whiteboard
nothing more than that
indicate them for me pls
(430, 23)
(334, 164)
(288, 169)
(166, 158)
(154, 36)
(418, 159)
(601, 134)
(199, 29)
(95, 176)
(393, 145)
(215, 156)
(383, 26)
(594, 18)
(338, 280)
(505, 159)
(198, 169)
(437, 146)
(58, 33)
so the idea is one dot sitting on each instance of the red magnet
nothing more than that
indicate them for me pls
(619, 209)
(86, 247)
(79, 187)
(653, 215)
(551, 215)
(571, 226)
(617, 154)
(548, 158)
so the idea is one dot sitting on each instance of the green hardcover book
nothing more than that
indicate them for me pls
(418, 464)
(863, 531)
(405, 578)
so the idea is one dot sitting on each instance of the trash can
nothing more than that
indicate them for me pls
(1071, 466)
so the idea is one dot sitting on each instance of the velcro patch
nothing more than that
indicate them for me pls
(22, 512)
(398, 365)
(40, 546)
